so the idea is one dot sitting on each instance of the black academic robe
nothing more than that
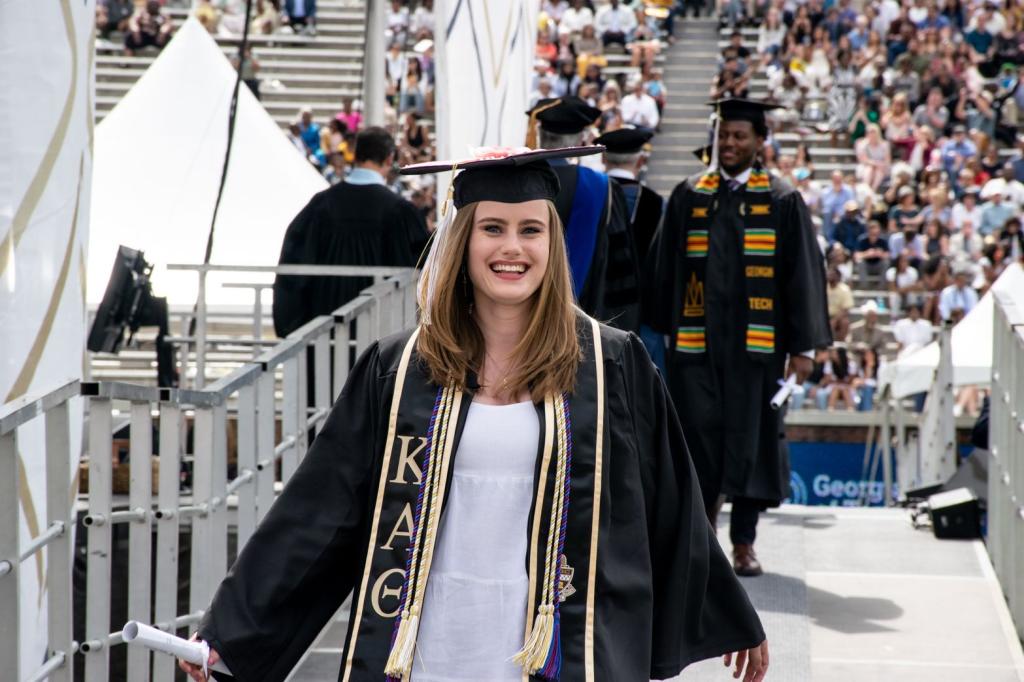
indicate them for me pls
(611, 292)
(644, 207)
(653, 591)
(735, 438)
(343, 225)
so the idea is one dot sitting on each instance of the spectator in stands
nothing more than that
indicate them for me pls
(232, 18)
(902, 281)
(874, 158)
(546, 49)
(113, 15)
(898, 126)
(840, 260)
(866, 381)
(958, 298)
(397, 21)
(412, 97)
(566, 82)
(266, 18)
(932, 113)
(840, 302)
(644, 44)
(770, 36)
(966, 244)
(415, 145)
(592, 76)
(936, 238)
(833, 202)
(615, 24)
(588, 46)
(732, 81)
(994, 214)
(655, 87)
(249, 69)
(1011, 239)
(149, 26)
(336, 169)
(578, 16)
(913, 331)
(543, 91)
(850, 227)
(638, 108)
(904, 216)
(351, 117)
(421, 25)
(837, 382)
(867, 331)
(865, 114)
(790, 96)
(957, 150)
(395, 67)
(1011, 189)
(938, 206)
(310, 134)
(872, 253)
(967, 208)
(356, 222)
(301, 15)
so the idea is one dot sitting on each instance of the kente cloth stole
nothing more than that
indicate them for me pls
(760, 224)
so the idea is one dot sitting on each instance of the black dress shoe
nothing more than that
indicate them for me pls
(744, 561)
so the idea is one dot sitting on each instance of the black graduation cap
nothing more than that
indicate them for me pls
(508, 175)
(625, 140)
(703, 154)
(738, 109)
(564, 115)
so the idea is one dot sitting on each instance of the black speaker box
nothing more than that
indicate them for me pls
(955, 514)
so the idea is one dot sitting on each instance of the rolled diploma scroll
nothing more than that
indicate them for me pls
(782, 395)
(196, 653)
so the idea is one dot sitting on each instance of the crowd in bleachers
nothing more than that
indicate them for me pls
(927, 215)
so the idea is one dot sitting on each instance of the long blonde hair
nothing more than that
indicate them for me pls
(451, 344)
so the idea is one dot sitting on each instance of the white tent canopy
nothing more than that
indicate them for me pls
(158, 161)
(972, 346)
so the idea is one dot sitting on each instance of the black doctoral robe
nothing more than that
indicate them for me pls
(653, 594)
(735, 438)
(611, 292)
(345, 224)
(644, 207)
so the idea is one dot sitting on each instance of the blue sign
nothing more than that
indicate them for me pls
(832, 474)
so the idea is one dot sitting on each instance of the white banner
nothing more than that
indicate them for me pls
(46, 125)
(484, 51)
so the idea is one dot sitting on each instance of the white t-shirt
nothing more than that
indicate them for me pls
(474, 613)
(575, 19)
(912, 333)
(902, 279)
(639, 111)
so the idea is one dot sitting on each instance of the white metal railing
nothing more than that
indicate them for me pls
(1006, 446)
(247, 399)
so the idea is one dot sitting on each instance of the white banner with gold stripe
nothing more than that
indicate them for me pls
(46, 102)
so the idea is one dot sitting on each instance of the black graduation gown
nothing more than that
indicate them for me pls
(735, 438)
(343, 225)
(662, 596)
(611, 292)
(644, 214)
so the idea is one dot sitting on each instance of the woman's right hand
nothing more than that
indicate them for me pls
(195, 672)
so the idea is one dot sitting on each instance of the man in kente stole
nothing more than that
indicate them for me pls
(736, 282)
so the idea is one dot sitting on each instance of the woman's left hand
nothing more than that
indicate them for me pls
(756, 661)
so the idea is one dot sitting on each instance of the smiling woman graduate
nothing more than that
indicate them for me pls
(504, 491)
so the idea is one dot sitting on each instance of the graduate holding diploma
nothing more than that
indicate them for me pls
(504, 491)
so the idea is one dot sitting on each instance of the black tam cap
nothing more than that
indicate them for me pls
(736, 109)
(625, 140)
(703, 154)
(565, 115)
(510, 176)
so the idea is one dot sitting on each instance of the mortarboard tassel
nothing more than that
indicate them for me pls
(531, 127)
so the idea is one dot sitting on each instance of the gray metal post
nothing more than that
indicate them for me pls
(341, 353)
(97, 593)
(266, 424)
(59, 551)
(373, 63)
(290, 418)
(246, 462)
(202, 487)
(166, 607)
(140, 543)
(10, 522)
(886, 436)
(322, 374)
(201, 332)
(218, 545)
